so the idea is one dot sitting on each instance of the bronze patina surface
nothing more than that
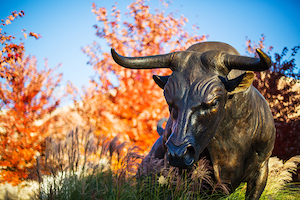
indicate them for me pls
(214, 112)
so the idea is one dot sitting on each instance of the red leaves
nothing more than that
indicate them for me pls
(132, 108)
(11, 52)
(27, 96)
(14, 15)
(37, 36)
(26, 99)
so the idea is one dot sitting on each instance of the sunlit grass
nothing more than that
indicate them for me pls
(107, 185)
(112, 171)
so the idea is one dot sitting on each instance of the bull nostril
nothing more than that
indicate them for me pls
(189, 156)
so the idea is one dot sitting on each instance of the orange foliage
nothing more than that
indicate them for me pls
(26, 96)
(133, 106)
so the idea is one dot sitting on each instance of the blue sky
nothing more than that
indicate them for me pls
(67, 25)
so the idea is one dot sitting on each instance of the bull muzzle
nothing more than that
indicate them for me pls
(182, 156)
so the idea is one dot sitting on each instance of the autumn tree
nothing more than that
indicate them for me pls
(132, 105)
(27, 96)
(280, 85)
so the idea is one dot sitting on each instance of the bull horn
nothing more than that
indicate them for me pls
(247, 63)
(146, 62)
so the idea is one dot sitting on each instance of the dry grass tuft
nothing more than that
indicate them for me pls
(281, 173)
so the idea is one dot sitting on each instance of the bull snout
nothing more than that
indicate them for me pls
(182, 156)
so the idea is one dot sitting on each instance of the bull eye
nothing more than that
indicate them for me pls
(210, 105)
(214, 103)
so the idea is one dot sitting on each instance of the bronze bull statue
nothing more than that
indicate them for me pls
(215, 112)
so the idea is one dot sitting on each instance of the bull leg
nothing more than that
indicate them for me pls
(256, 185)
(157, 151)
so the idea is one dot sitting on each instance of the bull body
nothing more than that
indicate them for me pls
(215, 112)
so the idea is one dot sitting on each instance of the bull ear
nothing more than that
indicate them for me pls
(238, 84)
(161, 80)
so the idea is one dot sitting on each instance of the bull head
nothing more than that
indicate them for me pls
(196, 93)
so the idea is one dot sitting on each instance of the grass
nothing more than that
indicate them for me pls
(88, 167)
